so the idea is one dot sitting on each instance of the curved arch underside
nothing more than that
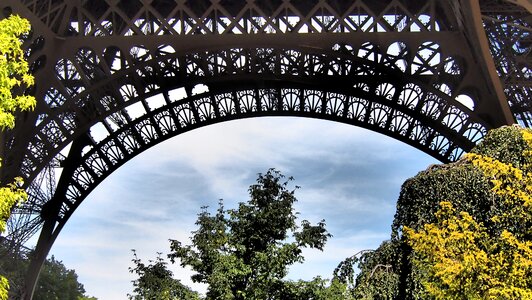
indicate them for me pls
(112, 80)
(154, 98)
(360, 107)
(423, 83)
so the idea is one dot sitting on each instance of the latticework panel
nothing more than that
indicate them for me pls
(509, 30)
(180, 17)
(149, 72)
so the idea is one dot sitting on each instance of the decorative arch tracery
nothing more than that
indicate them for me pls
(147, 103)
(112, 93)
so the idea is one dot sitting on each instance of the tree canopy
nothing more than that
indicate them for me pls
(244, 253)
(14, 78)
(463, 257)
(14, 70)
(461, 230)
(58, 282)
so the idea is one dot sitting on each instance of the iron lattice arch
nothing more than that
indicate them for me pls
(114, 78)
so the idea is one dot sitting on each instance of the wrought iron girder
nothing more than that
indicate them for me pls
(78, 88)
(105, 18)
(514, 8)
(73, 78)
(399, 106)
(509, 30)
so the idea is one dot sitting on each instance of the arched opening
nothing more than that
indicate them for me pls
(349, 176)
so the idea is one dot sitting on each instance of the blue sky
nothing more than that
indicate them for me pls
(349, 176)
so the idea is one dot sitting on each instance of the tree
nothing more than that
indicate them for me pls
(14, 77)
(155, 282)
(461, 183)
(459, 259)
(416, 206)
(243, 253)
(463, 257)
(484, 197)
(317, 289)
(58, 282)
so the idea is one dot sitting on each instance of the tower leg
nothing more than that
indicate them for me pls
(46, 240)
(50, 214)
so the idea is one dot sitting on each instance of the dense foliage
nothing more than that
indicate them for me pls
(14, 77)
(463, 257)
(462, 230)
(375, 280)
(244, 253)
(14, 70)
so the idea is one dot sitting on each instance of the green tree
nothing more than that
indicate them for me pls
(13, 264)
(58, 282)
(244, 253)
(316, 289)
(14, 77)
(463, 257)
(487, 192)
(155, 282)
(388, 272)
(461, 183)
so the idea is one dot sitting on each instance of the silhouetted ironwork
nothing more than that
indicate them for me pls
(114, 78)
(509, 32)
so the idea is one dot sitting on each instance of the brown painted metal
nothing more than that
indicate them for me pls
(400, 68)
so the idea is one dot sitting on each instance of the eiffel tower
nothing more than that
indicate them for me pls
(114, 78)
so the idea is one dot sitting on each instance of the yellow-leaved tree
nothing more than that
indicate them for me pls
(460, 257)
(14, 76)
